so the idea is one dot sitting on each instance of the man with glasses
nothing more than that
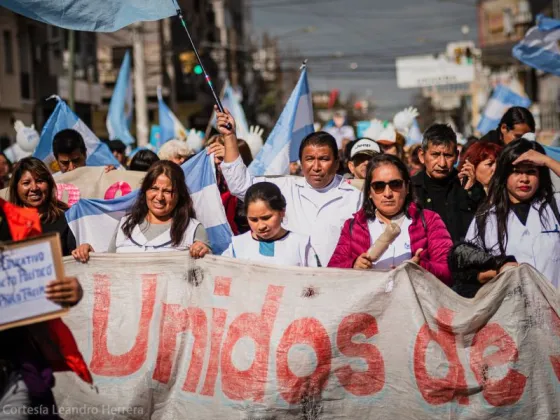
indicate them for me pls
(440, 187)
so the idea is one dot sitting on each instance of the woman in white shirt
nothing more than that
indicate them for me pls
(520, 216)
(267, 241)
(162, 218)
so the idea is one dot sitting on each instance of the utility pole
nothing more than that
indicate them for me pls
(71, 68)
(168, 56)
(220, 21)
(140, 85)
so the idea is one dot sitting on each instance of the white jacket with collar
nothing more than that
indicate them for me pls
(533, 243)
(321, 220)
(138, 242)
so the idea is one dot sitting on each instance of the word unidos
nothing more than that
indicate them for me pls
(211, 338)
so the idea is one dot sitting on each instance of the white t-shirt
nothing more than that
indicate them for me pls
(291, 250)
(399, 251)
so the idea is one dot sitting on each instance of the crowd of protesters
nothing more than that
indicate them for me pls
(464, 217)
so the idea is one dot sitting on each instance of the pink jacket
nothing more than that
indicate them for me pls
(428, 232)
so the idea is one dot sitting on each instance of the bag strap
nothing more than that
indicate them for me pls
(554, 207)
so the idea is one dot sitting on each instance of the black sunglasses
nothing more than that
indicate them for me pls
(396, 185)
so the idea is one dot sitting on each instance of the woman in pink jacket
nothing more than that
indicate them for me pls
(424, 238)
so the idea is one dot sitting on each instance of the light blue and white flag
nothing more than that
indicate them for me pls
(294, 124)
(414, 134)
(95, 221)
(231, 102)
(120, 107)
(169, 125)
(88, 15)
(502, 99)
(553, 152)
(540, 48)
(98, 153)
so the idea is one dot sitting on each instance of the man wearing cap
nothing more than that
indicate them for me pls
(360, 155)
(340, 131)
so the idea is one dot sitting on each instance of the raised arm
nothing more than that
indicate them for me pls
(538, 159)
(234, 170)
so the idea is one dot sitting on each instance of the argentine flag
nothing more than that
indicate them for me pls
(502, 99)
(169, 125)
(98, 153)
(120, 107)
(230, 101)
(95, 221)
(414, 134)
(91, 15)
(540, 48)
(295, 122)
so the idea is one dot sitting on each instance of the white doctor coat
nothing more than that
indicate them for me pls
(535, 244)
(321, 220)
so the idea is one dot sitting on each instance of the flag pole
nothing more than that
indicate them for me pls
(209, 125)
(206, 76)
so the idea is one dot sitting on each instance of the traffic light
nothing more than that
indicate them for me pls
(197, 69)
(188, 62)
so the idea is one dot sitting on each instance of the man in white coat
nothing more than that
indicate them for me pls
(317, 204)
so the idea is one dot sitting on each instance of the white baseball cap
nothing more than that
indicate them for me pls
(365, 146)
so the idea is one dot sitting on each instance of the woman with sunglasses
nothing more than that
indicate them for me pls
(388, 199)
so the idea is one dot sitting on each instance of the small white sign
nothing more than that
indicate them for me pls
(427, 70)
(25, 272)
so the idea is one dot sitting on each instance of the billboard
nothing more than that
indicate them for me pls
(429, 70)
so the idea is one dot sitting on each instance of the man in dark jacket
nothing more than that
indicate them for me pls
(440, 187)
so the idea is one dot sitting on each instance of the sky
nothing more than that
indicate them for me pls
(366, 34)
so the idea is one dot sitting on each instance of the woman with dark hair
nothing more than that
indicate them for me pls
(268, 241)
(142, 160)
(519, 219)
(162, 218)
(32, 185)
(516, 122)
(388, 199)
(5, 170)
(483, 156)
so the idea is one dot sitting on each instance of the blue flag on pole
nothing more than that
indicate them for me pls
(540, 47)
(502, 99)
(169, 125)
(90, 15)
(98, 153)
(230, 101)
(95, 221)
(294, 124)
(118, 122)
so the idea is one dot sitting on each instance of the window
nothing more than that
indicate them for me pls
(8, 52)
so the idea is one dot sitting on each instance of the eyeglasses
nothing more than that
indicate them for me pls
(396, 185)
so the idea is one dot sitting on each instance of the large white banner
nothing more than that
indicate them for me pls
(167, 337)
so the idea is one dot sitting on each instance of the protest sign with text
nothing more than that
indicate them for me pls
(169, 337)
(26, 269)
